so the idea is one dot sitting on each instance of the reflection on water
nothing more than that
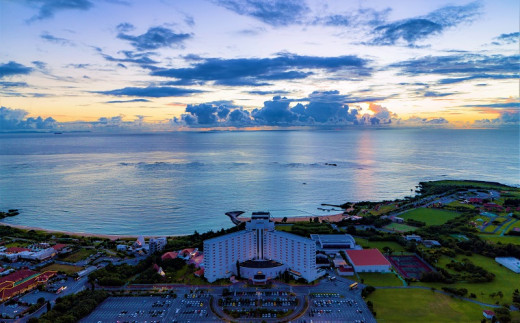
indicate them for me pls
(175, 183)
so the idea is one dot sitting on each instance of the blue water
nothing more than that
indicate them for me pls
(175, 183)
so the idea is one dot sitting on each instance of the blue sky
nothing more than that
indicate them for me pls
(228, 63)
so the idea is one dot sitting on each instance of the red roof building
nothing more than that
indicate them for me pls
(368, 260)
(16, 250)
(488, 314)
(59, 246)
(170, 255)
(198, 261)
(199, 273)
(23, 280)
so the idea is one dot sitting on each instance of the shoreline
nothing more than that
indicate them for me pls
(295, 219)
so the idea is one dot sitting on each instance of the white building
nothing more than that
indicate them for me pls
(262, 253)
(510, 263)
(334, 243)
(156, 244)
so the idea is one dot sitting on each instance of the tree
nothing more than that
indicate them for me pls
(49, 306)
(284, 220)
(316, 220)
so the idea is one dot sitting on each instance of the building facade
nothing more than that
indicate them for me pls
(259, 253)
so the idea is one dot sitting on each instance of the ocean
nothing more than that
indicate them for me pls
(176, 183)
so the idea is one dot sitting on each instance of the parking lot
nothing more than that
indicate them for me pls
(153, 309)
(259, 304)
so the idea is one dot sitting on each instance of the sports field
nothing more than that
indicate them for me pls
(409, 266)
(417, 305)
(67, 269)
(399, 227)
(430, 216)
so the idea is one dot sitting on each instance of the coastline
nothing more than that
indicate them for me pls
(295, 219)
(75, 234)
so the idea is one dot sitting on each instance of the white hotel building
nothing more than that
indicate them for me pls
(261, 251)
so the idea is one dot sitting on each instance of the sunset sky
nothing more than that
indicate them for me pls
(252, 63)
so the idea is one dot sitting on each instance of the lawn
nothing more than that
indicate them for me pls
(430, 216)
(490, 228)
(505, 280)
(460, 204)
(380, 279)
(416, 305)
(284, 227)
(399, 227)
(502, 239)
(366, 244)
(67, 269)
(79, 255)
(383, 209)
(185, 276)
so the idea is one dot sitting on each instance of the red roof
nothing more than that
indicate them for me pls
(187, 251)
(11, 291)
(488, 312)
(367, 257)
(199, 272)
(59, 246)
(344, 269)
(18, 275)
(16, 249)
(170, 255)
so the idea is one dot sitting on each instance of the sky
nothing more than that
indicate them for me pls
(250, 64)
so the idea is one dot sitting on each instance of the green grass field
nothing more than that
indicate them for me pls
(383, 209)
(284, 227)
(505, 280)
(490, 228)
(67, 269)
(460, 204)
(502, 239)
(79, 255)
(416, 305)
(366, 244)
(399, 227)
(380, 279)
(430, 216)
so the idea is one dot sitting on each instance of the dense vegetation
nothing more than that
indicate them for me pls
(73, 307)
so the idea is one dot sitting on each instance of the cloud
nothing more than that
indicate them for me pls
(433, 94)
(271, 12)
(47, 8)
(502, 105)
(409, 31)
(128, 101)
(155, 38)
(325, 107)
(255, 71)
(15, 119)
(39, 64)
(506, 118)
(415, 121)
(125, 27)
(151, 92)
(462, 67)
(12, 68)
(143, 59)
(362, 16)
(56, 40)
(276, 112)
(258, 92)
(6, 85)
(510, 38)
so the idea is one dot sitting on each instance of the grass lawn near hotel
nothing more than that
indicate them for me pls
(505, 280)
(417, 305)
(502, 239)
(380, 279)
(367, 244)
(399, 227)
(430, 216)
(79, 255)
(67, 269)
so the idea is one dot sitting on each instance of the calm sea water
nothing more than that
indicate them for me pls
(175, 183)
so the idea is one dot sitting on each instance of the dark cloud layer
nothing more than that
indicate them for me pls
(56, 40)
(151, 92)
(47, 8)
(462, 67)
(15, 119)
(256, 71)
(155, 38)
(415, 29)
(13, 68)
(272, 12)
(128, 101)
(510, 38)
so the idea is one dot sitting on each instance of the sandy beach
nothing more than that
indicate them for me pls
(77, 234)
